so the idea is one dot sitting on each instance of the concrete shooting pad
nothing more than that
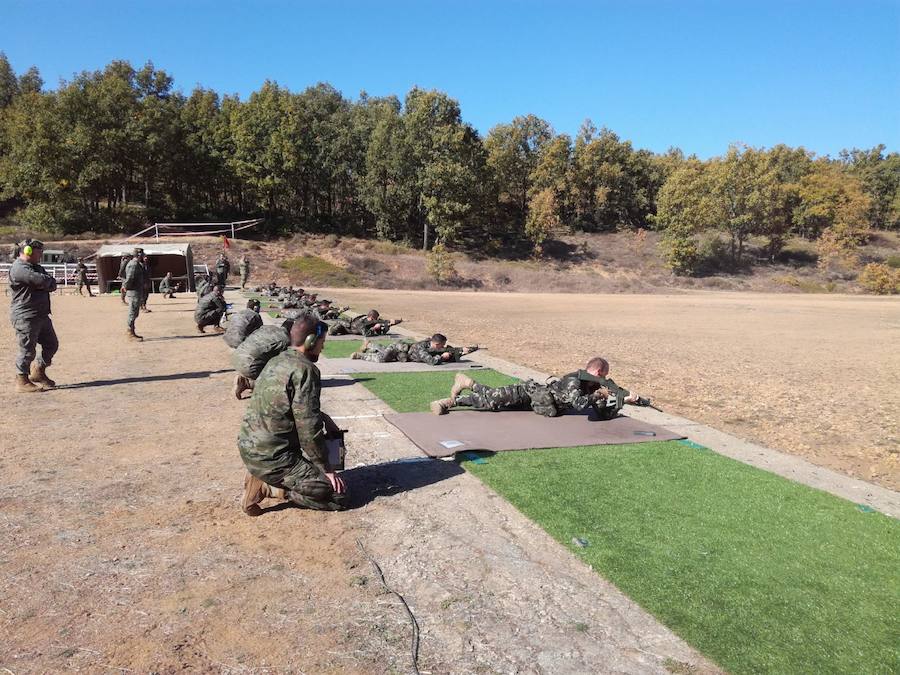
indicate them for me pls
(461, 431)
(343, 366)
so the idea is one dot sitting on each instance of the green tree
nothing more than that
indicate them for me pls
(685, 207)
(880, 177)
(9, 85)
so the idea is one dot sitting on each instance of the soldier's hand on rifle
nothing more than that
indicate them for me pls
(446, 356)
(601, 394)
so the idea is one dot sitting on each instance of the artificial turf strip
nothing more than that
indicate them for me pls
(342, 349)
(412, 392)
(759, 573)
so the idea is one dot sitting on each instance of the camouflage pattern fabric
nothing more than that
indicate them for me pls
(360, 325)
(29, 334)
(282, 436)
(549, 400)
(210, 310)
(396, 351)
(240, 325)
(257, 349)
(244, 269)
(421, 352)
(134, 287)
(81, 278)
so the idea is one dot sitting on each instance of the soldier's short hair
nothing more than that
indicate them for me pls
(597, 363)
(373, 313)
(305, 326)
(439, 338)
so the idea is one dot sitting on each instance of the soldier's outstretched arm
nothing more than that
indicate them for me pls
(33, 278)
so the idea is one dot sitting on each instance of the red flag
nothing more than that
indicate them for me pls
(225, 243)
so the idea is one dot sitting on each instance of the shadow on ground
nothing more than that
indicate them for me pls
(148, 378)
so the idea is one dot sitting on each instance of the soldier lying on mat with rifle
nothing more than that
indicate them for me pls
(433, 351)
(588, 388)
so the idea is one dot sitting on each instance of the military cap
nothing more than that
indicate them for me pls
(34, 243)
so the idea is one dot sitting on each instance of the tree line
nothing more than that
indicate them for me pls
(120, 146)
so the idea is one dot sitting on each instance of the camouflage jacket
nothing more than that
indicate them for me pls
(134, 276)
(421, 352)
(81, 271)
(240, 325)
(165, 284)
(30, 287)
(210, 304)
(570, 392)
(252, 355)
(284, 418)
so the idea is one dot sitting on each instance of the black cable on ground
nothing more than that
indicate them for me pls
(412, 618)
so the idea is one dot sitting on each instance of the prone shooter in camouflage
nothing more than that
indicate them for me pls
(282, 440)
(366, 325)
(579, 391)
(436, 351)
(389, 353)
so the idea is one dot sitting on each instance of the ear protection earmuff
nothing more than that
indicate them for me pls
(27, 249)
(313, 338)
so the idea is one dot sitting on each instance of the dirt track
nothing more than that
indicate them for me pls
(812, 375)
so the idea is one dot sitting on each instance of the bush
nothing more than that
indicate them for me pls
(893, 261)
(440, 265)
(880, 279)
(331, 240)
(310, 270)
(681, 254)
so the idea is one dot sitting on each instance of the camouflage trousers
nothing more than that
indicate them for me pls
(209, 319)
(339, 327)
(134, 299)
(529, 395)
(29, 334)
(305, 485)
(145, 295)
(245, 276)
(398, 351)
(81, 283)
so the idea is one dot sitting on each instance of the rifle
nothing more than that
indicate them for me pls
(456, 353)
(620, 392)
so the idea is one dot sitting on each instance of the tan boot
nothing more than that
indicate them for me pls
(461, 382)
(254, 492)
(356, 355)
(39, 377)
(134, 337)
(241, 384)
(442, 407)
(25, 386)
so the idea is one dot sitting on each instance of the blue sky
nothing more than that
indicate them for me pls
(689, 73)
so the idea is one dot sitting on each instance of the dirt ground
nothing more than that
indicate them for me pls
(811, 375)
(123, 548)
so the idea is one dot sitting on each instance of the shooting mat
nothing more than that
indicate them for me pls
(340, 366)
(444, 435)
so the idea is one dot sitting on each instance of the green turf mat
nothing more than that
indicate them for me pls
(412, 392)
(759, 573)
(342, 349)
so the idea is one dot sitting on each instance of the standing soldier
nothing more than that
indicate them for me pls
(81, 278)
(134, 291)
(122, 265)
(244, 269)
(148, 283)
(29, 312)
(223, 267)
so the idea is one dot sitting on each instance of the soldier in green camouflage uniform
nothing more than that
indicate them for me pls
(283, 434)
(81, 278)
(201, 284)
(167, 286)
(29, 312)
(569, 392)
(436, 351)
(366, 325)
(210, 310)
(244, 269)
(148, 283)
(389, 353)
(134, 291)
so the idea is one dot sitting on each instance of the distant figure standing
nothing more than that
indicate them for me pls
(244, 269)
(29, 312)
(223, 267)
(134, 291)
(122, 266)
(148, 283)
(81, 278)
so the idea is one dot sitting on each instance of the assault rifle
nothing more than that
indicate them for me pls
(456, 353)
(620, 393)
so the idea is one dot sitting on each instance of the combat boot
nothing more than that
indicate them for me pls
(39, 377)
(25, 386)
(241, 384)
(134, 337)
(356, 355)
(255, 491)
(442, 407)
(461, 383)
